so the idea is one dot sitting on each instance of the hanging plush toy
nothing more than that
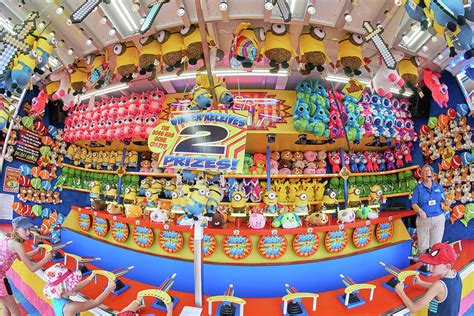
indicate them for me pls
(349, 55)
(62, 76)
(150, 56)
(312, 51)
(439, 91)
(126, 61)
(173, 50)
(277, 47)
(244, 47)
(98, 63)
(19, 77)
(193, 44)
(386, 78)
(408, 70)
(79, 71)
(44, 46)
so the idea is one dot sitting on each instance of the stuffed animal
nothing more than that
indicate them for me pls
(79, 73)
(63, 93)
(312, 51)
(277, 47)
(44, 45)
(150, 56)
(256, 221)
(287, 220)
(335, 161)
(100, 74)
(439, 90)
(19, 76)
(193, 44)
(386, 78)
(346, 216)
(317, 219)
(244, 47)
(173, 50)
(126, 60)
(408, 70)
(349, 55)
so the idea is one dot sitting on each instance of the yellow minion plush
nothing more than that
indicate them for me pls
(44, 45)
(126, 62)
(312, 51)
(349, 55)
(245, 45)
(408, 70)
(79, 71)
(277, 47)
(150, 56)
(193, 43)
(172, 49)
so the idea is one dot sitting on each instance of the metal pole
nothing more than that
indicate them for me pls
(346, 194)
(119, 186)
(198, 232)
(268, 169)
(10, 128)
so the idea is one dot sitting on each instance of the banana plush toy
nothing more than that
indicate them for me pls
(126, 62)
(349, 55)
(150, 56)
(193, 44)
(173, 50)
(312, 51)
(244, 46)
(277, 47)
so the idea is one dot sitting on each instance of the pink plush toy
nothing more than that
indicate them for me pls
(39, 102)
(335, 161)
(374, 157)
(405, 149)
(389, 159)
(64, 92)
(309, 156)
(439, 91)
(284, 171)
(386, 78)
(273, 166)
(398, 157)
(256, 221)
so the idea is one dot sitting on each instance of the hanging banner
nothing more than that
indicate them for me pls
(211, 140)
(10, 181)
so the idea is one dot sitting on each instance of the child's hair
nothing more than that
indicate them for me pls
(16, 237)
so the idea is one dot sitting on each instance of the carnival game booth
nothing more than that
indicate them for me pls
(218, 173)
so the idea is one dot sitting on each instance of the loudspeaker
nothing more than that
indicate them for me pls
(421, 106)
(56, 113)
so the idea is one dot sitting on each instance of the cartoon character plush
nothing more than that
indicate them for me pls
(287, 220)
(100, 74)
(173, 50)
(256, 221)
(312, 51)
(408, 70)
(69, 100)
(346, 216)
(244, 47)
(386, 78)
(439, 90)
(193, 44)
(277, 47)
(126, 61)
(44, 45)
(21, 71)
(317, 218)
(349, 55)
(79, 72)
(150, 56)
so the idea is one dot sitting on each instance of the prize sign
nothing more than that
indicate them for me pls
(211, 140)
(354, 88)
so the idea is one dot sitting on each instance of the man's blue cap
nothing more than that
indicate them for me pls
(22, 222)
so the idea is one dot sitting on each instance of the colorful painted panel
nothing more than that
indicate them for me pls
(272, 247)
(171, 241)
(85, 222)
(120, 231)
(384, 232)
(362, 236)
(237, 247)
(143, 236)
(336, 241)
(209, 244)
(101, 226)
(305, 245)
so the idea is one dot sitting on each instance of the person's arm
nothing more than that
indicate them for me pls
(419, 210)
(414, 203)
(169, 309)
(83, 283)
(433, 291)
(72, 308)
(18, 248)
(32, 252)
(418, 281)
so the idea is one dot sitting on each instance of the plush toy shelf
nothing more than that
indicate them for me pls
(89, 170)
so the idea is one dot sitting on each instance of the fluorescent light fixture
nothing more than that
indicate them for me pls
(106, 90)
(125, 16)
(396, 91)
(53, 62)
(5, 24)
(342, 79)
(292, 6)
(225, 73)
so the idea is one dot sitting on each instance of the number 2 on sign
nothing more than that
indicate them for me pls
(202, 140)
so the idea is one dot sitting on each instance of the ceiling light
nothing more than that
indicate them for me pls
(424, 48)
(41, 25)
(61, 43)
(89, 41)
(136, 6)
(225, 73)
(414, 27)
(69, 22)
(181, 11)
(348, 17)
(311, 9)
(109, 89)
(268, 5)
(49, 1)
(223, 5)
(142, 20)
(52, 33)
(440, 57)
(398, 2)
(60, 10)
(112, 31)
(70, 51)
(292, 6)
(53, 62)
(434, 39)
(125, 16)
(404, 37)
(103, 20)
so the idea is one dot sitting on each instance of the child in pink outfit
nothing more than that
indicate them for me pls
(11, 248)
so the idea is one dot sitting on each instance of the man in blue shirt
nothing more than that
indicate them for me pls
(426, 202)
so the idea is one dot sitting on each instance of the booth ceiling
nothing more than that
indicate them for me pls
(336, 17)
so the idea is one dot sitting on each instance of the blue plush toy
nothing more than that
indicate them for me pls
(202, 100)
(362, 162)
(388, 129)
(353, 162)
